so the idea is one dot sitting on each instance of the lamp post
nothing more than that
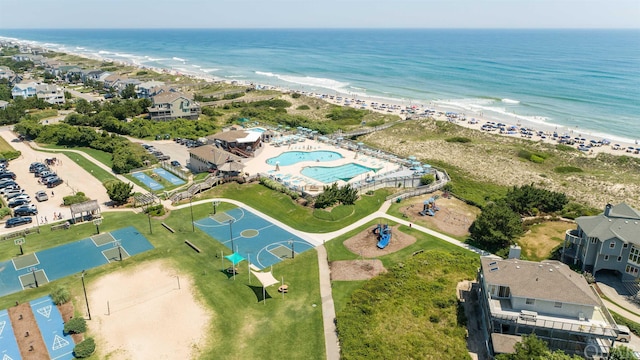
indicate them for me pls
(231, 234)
(293, 253)
(97, 223)
(193, 224)
(85, 295)
(215, 206)
(149, 218)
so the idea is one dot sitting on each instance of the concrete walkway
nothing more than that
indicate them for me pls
(331, 342)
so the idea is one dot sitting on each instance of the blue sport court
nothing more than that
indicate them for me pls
(147, 181)
(49, 319)
(253, 237)
(174, 180)
(8, 344)
(51, 264)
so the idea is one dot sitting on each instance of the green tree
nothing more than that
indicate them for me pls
(119, 192)
(621, 353)
(427, 179)
(83, 107)
(129, 92)
(76, 325)
(533, 348)
(496, 227)
(60, 295)
(85, 348)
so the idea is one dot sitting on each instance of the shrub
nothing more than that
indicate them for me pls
(157, 210)
(10, 155)
(79, 197)
(5, 211)
(303, 107)
(536, 159)
(567, 169)
(85, 348)
(76, 325)
(427, 179)
(295, 95)
(60, 295)
(458, 139)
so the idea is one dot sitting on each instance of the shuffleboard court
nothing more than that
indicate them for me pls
(54, 263)
(174, 180)
(8, 344)
(254, 238)
(147, 181)
(49, 319)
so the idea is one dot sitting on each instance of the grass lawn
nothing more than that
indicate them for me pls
(242, 327)
(102, 156)
(541, 239)
(43, 114)
(282, 208)
(5, 146)
(93, 169)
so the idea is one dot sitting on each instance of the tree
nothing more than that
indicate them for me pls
(60, 295)
(621, 353)
(119, 192)
(129, 92)
(496, 226)
(85, 348)
(427, 179)
(76, 325)
(533, 348)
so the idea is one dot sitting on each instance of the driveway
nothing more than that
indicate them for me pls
(75, 179)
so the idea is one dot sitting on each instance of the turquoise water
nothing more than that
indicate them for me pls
(328, 175)
(294, 157)
(583, 80)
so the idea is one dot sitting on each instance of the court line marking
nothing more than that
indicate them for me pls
(24, 267)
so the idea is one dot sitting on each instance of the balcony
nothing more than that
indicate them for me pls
(572, 237)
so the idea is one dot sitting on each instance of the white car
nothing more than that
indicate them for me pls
(9, 188)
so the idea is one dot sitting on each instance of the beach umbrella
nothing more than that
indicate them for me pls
(412, 157)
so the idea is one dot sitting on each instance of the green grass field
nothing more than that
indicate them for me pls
(99, 173)
(5, 146)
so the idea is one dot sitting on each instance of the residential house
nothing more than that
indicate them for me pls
(10, 75)
(240, 142)
(173, 105)
(23, 90)
(122, 83)
(545, 298)
(3, 104)
(609, 241)
(50, 93)
(144, 89)
(213, 159)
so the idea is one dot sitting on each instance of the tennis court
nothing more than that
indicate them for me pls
(59, 345)
(174, 180)
(256, 239)
(147, 181)
(8, 344)
(51, 264)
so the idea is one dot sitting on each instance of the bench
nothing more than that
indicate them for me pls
(169, 228)
(192, 246)
(64, 225)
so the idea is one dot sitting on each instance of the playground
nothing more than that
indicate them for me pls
(254, 238)
(453, 216)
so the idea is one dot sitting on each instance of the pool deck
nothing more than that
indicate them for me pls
(258, 164)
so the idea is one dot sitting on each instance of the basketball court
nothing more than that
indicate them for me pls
(254, 238)
(35, 269)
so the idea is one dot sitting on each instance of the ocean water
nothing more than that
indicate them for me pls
(581, 81)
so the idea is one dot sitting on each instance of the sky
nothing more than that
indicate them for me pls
(320, 14)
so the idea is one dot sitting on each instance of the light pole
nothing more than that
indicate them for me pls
(193, 224)
(231, 234)
(293, 253)
(85, 295)
(149, 218)
(97, 223)
(215, 206)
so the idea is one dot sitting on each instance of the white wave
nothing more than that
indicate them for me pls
(196, 66)
(236, 76)
(210, 70)
(178, 59)
(269, 74)
(80, 48)
(308, 81)
(103, 52)
(149, 58)
(510, 101)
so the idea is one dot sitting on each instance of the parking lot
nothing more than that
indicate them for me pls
(171, 148)
(75, 179)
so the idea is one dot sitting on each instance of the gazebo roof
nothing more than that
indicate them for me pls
(87, 206)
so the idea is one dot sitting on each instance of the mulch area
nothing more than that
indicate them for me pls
(349, 270)
(23, 321)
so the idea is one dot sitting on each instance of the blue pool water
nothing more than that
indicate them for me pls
(327, 174)
(174, 180)
(149, 182)
(294, 157)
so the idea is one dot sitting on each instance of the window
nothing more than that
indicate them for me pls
(530, 301)
(557, 304)
(593, 240)
(619, 258)
(631, 270)
(624, 246)
(612, 245)
(606, 258)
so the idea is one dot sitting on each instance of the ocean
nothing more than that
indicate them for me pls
(580, 81)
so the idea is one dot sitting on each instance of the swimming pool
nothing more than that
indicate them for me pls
(294, 157)
(327, 174)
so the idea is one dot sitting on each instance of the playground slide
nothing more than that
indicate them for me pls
(431, 213)
(384, 240)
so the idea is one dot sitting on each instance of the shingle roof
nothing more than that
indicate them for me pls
(214, 155)
(623, 222)
(240, 136)
(547, 280)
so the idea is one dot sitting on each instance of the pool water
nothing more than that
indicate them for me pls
(294, 157)
(327, 174)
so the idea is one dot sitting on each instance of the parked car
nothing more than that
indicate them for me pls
(16, 221)
(175, 163)
(42, 196)
(18, 202)
(35, 165)
(21, 196)
(163, 157)
(9, 188)
(53, 182)
(41, 170)
(9, 182)
(8, 175)
(45, 174)
(25, 211)
(11, 194)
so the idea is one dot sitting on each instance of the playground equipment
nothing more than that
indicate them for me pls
(384, 235)
(429, 207)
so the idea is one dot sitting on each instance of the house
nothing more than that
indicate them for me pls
(240, 142)
(3, 104)
(547, 298)
(173, 105)
(144, 90)
(50, 93)
(212, 159)
(608, 241)
(23, 90)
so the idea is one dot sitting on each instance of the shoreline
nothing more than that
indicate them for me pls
(392, 106)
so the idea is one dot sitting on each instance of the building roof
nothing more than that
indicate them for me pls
(239, 136)
(547, 280)
(168, 97)
(622, 222)
(214, 155)
(87, 206)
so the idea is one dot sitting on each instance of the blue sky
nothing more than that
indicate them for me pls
(320, 14)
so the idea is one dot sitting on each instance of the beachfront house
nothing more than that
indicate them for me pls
(145, 90)
(50, 93)
(239, 142)
(545, 298)
(173, 105)
(609, 241)
(213, 159)
(23, 90)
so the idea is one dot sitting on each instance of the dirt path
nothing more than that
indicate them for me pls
(27, 333)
